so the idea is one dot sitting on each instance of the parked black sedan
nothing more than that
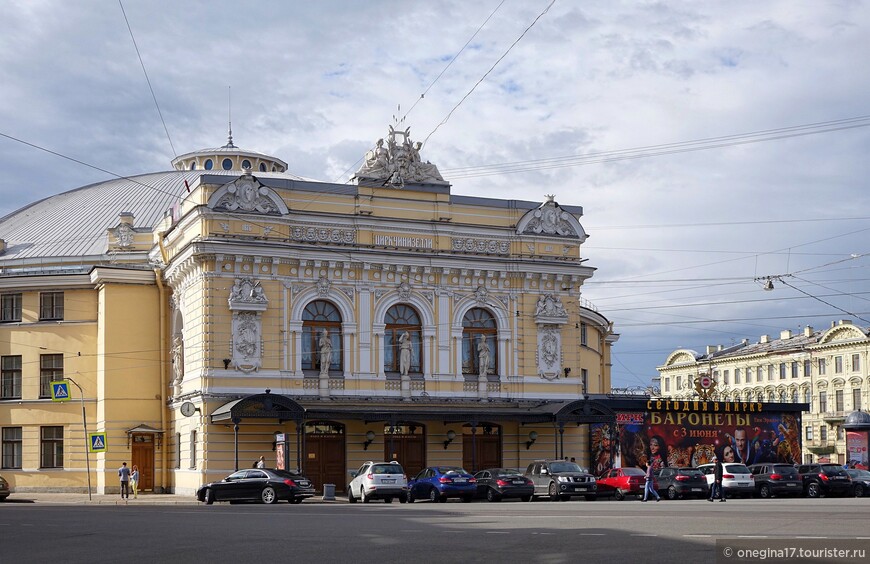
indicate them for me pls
(860, 481)
(677, 483)
(496, 484)
(260, 484)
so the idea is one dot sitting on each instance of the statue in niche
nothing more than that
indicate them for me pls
(177, 353)
(405, 353)
(482, 355)
(325, 345)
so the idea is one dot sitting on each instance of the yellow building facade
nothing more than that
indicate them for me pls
(207, 311)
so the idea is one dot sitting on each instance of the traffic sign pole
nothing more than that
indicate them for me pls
(87, 441)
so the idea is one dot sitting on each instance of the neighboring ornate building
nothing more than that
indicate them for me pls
(826, 369)
(229, 309)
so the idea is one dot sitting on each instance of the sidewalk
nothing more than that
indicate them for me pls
(115, 499)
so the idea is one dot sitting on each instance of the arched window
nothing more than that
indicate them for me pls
(320, 316)
(399, 319)
(479, 326)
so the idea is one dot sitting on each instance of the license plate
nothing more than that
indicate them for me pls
(392, 481)
(792, 484)
(304, 484)
(742, 483)
(696, 489)
(460, 480)
(518, 482)
(580, 488)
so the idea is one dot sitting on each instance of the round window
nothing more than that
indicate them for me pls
(208, 164)
(193, 166)
(227, 164)
(246, 163)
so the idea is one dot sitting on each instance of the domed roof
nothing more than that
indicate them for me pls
(857, 420)
(228, 157)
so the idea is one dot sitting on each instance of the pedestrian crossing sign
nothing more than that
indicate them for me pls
(60, 390)
(97, 442)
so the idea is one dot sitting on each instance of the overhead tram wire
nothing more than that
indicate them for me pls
(658, 150)
(148, 80)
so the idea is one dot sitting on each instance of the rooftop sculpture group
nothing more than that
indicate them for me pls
(398, 162)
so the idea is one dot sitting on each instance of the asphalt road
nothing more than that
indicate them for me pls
(547, 532)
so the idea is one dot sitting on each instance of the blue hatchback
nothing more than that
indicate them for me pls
(437, 483)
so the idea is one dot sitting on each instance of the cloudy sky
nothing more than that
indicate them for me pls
(710, 143)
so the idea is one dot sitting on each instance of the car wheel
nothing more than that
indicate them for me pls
(409, 496)
(403, 499)
(467, 498)
(363, 497)
(554, 493)
(764, 492)
(619, 495)
(434, 495)
(491, 495)
(350, 498)
(388, 500)
(813, 490)
(268, 495)
(209, 497)
(526, 498)
(859, 490)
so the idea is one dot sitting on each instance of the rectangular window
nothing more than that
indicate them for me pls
(838, 365)
(679, 384)
(841, 433)
(823, 432)
(11, 439)
(51, 447)
(583, 334)
(192, 449)
(809, 432)
(823, 402)
(10, 307)
(50, 370)
(794, 369)
(808, 398)
(178, 450)
(50, 306)
(808, 365)
(823, 366)
(856, 399)
(770, 371)
(856, 362)
(736, 375)
(782, 370)
(838, 400)
(584, 380)
(726, 374)
(667, 384)
(10, 377)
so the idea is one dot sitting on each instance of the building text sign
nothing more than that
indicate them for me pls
(403, 241)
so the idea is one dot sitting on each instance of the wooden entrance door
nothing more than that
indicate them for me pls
(483, 450)
(325, 460)
(142, 455)
(407, 445)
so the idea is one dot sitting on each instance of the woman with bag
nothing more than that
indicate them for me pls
(134, 481)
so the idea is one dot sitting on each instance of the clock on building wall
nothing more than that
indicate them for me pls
(188, 409)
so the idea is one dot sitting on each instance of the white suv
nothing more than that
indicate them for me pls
(378, 480)
(736, 478)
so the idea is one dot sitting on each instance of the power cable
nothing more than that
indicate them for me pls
(148, 80)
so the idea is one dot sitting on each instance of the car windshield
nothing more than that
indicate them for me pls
(860, 474)
(690, 472)
(387, 469)
(451, 470)
(833, 470)
(632, 472)
(737, 469)
(507, 472)
(565, 467)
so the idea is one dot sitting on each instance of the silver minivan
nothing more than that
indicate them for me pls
(736, 478)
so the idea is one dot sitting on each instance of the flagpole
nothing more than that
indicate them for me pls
(87, 441)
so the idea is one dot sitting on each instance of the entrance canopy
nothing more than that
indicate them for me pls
(260, 406)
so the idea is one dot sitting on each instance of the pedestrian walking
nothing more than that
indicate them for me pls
(134, 481)
(716, 486)
(262, 462)
(124, 474)
(649, 486)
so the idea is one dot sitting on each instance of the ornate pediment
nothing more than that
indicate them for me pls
(396, 162)
(549, 310)
(247, 295)
(247, 195)
(550, 219)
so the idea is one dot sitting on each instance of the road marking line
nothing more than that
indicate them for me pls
(644, 535)
(498, 532)
(702, 536)
(591, 534)
(752, 536)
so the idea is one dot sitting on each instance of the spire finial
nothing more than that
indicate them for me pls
(230, 116)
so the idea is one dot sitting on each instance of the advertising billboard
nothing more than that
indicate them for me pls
(690, 433)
